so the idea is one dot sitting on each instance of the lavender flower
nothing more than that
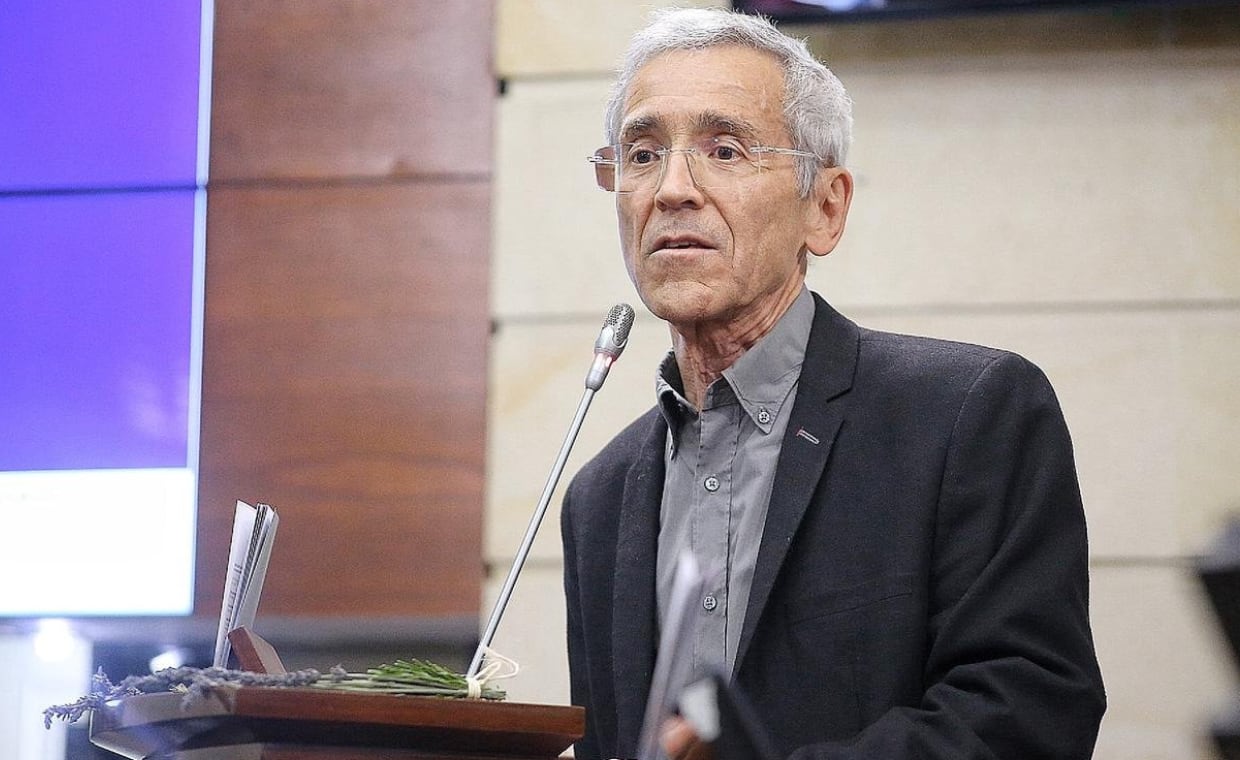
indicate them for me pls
(409, 677)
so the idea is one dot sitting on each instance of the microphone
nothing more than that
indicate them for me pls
(611, 341)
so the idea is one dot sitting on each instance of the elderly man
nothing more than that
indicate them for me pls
(891, 526)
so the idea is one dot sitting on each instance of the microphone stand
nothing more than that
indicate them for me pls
(530, 532)
(611, 341)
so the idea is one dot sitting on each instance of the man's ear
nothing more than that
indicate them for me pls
(830, 197)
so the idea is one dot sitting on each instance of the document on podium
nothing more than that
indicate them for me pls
(254, 531)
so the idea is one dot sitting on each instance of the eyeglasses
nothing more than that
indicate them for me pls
(714, 162)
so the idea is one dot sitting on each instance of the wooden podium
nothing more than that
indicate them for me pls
(260, 723)
(266, 723)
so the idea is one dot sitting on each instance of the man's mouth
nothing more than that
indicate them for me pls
(680, 243)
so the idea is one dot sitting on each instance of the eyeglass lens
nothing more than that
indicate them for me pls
(713, 163)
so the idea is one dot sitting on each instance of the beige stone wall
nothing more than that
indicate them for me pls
(1066, 185)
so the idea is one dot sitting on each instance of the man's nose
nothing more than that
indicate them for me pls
(678, 186)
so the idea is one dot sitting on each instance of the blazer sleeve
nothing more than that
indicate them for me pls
(579, 685)
(1010, 670)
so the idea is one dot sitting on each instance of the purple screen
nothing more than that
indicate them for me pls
(98, 165)
(95, 306)
(102, 198)
(98, 94)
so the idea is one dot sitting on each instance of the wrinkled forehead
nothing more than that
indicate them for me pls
(719, 90)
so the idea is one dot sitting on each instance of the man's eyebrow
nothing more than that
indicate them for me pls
(706, 122)
(717, 123)
(640, 126)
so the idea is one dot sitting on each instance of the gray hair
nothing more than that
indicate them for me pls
(817, 110)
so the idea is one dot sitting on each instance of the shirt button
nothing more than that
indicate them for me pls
(764, 417)
(709, 603)
(711, 484)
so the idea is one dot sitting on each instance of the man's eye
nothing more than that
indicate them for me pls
(727, 152)
(642, 156)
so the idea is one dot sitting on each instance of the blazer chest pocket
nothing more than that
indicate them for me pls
(833, 601)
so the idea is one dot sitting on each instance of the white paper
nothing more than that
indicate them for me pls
(253, 534)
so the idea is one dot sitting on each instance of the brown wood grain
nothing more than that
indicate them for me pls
(372, 88)
(305, 722)
(346, 303)
(344, 383)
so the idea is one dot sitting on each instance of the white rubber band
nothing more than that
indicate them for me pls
(496, 668)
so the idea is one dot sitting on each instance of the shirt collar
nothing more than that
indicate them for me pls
(761, 379)
(764, 376)
(670, 391)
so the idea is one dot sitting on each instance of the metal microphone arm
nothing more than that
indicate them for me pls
(535, 521)
(612, 341)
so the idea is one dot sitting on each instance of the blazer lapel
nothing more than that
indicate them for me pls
(634, 616)
(830, 362)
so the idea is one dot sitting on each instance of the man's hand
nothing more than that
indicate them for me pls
(681, 743)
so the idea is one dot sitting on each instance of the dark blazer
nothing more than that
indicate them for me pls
(921, 589)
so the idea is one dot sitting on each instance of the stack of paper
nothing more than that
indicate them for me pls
(254, 530)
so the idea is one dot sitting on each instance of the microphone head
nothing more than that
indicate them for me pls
(611, 341)
(615, 333)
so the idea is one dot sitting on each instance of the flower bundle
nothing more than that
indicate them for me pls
(411, 677)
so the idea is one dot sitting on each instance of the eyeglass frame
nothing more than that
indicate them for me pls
(600, 161)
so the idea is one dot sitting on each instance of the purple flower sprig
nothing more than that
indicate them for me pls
(404, 677)
(195, 683)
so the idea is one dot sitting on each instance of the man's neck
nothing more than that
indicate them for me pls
(705, 349)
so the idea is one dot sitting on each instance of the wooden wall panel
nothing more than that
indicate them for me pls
(345, 384)
(326, 88)
(346, 329)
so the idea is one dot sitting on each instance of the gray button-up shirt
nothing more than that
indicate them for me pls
(720, 472)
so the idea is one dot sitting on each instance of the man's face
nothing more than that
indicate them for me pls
(724, 255)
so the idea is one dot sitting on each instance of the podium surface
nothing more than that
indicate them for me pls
(255, 723)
